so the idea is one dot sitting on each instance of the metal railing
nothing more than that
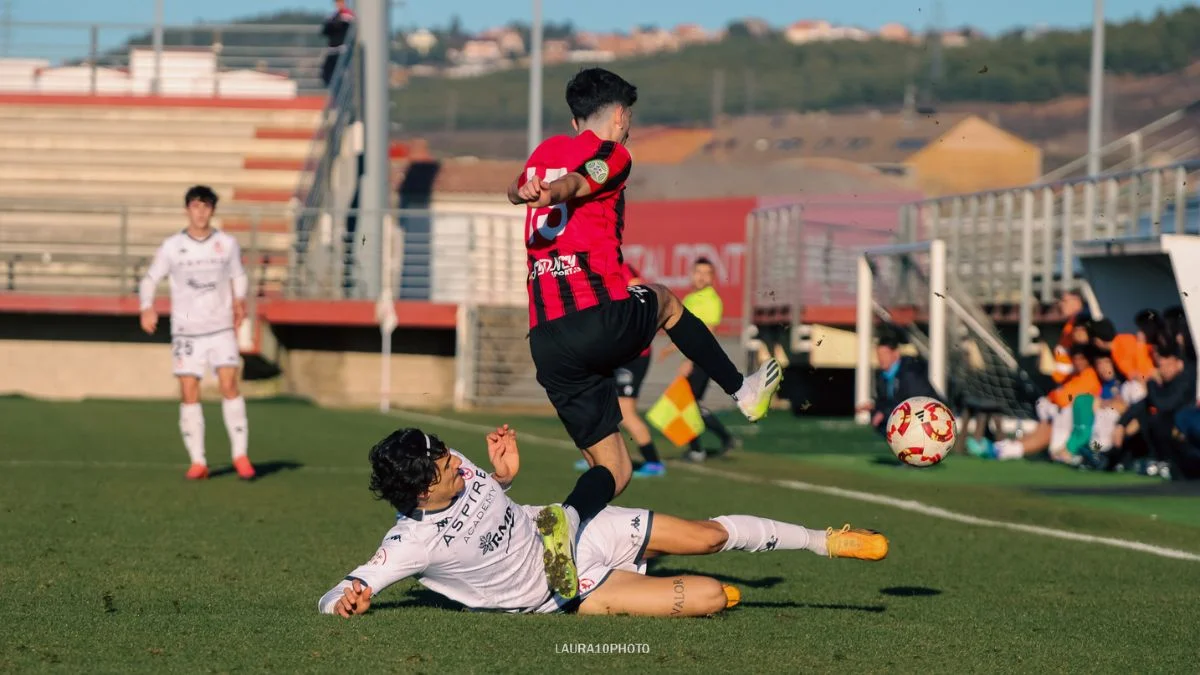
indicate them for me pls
(440, 256)
(793, 261)
(1174, 136)
(1016, 246)
(330, 176)
(199, 59)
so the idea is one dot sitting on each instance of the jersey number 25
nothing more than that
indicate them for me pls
(548, 224)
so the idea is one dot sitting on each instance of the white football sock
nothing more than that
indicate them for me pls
(191, 427)
(754, 534)
(234, 412)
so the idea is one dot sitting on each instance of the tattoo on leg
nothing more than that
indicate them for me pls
(677, 606)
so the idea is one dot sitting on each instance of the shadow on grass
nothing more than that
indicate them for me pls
(873, 609)
(1152, 488)
(261, 470)
(910, 591)
(421, 597)
(765, 582)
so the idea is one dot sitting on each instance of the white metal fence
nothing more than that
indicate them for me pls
(1016, 247)
(261, 60)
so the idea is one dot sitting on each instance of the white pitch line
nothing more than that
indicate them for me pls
(157, 466)
(893, 502)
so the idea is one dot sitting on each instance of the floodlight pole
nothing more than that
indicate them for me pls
(535, 77)
(1096, 89)
(157, 40)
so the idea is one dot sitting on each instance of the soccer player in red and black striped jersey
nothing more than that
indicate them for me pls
(585, 322)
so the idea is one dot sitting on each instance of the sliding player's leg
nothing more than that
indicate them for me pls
(676, 536)
(753, 392)
(631, 593)
(615, 544)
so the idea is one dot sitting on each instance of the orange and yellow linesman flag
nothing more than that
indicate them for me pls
(677, 413)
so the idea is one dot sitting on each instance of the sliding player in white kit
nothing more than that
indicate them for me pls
(458, 532)
(208, 302)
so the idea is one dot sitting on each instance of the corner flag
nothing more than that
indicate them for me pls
(677, 413)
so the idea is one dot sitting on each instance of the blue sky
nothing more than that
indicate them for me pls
(619, 14)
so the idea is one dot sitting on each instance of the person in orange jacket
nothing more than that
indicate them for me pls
(1054, 406)
(1131, 354)
(1073, 310)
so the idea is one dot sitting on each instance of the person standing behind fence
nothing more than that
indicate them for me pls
(335, 29)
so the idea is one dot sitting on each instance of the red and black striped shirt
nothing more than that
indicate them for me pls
(574, 248)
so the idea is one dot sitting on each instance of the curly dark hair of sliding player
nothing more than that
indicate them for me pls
(404, 465)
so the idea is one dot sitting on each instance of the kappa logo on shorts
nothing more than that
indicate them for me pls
(597, 169)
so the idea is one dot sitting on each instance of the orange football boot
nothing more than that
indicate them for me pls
(245, 469)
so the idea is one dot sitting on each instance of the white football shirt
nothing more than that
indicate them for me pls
(203, 275)
(482, 551)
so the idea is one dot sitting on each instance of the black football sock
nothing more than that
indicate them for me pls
(650, 453)
(714, 425)
(698, 344)
(593, 491)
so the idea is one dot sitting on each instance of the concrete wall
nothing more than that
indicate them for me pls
(73, 370)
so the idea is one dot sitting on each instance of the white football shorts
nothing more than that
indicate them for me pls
(197, 355)
(615, 539)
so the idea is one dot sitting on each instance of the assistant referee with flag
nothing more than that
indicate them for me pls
(706, 304)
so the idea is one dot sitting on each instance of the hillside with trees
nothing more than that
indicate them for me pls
(745, 74)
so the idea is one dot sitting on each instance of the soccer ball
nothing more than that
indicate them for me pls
(921, 431)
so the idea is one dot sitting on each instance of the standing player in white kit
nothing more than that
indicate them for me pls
(208, 303)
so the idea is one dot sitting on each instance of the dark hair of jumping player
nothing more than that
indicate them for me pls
(200, 193)
(594, 89)
(403, 466)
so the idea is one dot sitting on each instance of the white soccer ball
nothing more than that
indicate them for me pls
(921, 431)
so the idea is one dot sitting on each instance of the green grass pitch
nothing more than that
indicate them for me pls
(111, 562)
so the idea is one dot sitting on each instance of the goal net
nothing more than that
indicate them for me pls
(970, 362)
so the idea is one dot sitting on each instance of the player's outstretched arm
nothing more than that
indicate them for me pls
(355, 599)
(399, 557)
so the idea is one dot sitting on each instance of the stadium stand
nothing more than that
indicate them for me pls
(90, 185)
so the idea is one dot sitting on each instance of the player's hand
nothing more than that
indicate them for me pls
(149, 320)
(356, 599)
(535, 193)
(239, 313)
(502, 451)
